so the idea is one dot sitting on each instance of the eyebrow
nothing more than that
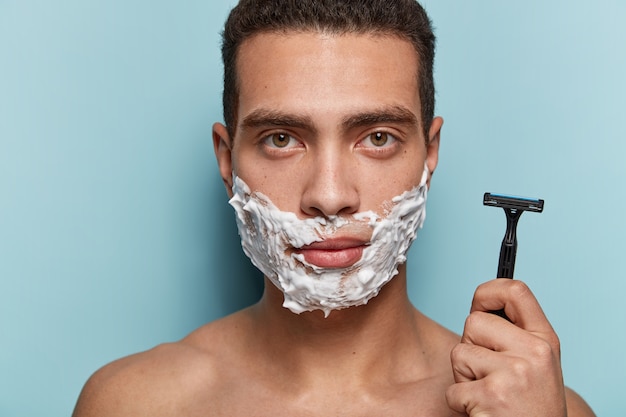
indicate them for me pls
(391, 114)
(264, 117)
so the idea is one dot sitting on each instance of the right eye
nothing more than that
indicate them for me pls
(280, 141)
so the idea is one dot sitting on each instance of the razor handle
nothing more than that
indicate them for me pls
(513, 208)
(508, 249)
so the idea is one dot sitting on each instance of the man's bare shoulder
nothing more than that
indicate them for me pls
(161, 380)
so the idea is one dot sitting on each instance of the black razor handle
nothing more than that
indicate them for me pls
(513, 208)
(508, 250)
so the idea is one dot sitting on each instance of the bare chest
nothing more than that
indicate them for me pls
(420, 399)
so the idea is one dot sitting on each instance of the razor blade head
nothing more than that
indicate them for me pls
(513, 202)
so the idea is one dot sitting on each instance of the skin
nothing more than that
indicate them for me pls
(384, 358)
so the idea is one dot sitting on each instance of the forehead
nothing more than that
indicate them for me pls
(326, 75)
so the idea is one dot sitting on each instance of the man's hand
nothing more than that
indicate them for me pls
(504, 368)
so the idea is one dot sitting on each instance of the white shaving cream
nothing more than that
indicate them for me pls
(269, 236)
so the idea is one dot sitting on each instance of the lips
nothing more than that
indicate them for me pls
(333, 253)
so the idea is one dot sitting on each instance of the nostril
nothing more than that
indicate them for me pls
(330, 202)
(331, 185)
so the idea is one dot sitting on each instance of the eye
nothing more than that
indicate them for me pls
(379, 140)
(280, 141)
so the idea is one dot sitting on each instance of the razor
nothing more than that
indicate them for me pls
(513, 207)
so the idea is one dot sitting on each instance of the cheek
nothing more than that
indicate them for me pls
(280, 186)
(390, 180)
(412, 169)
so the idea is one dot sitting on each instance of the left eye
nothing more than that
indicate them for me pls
(280, 141)
(379, 139)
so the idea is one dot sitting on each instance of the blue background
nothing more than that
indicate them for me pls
(115, 233)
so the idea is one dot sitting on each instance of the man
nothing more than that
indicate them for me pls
(327, 151)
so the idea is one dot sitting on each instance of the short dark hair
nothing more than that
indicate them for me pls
(402, 18)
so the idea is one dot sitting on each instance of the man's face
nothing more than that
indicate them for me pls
(327, 146)
(328, 124)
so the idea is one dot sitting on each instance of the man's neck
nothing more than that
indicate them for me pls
(362, 343)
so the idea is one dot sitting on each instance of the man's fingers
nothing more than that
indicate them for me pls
(504, 367)
(493, 332)
(457, 398)
(517, 300)
(471, 362)
(490, 331)
(468, 398)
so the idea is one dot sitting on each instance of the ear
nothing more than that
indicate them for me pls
(222, 145)
(432, 149)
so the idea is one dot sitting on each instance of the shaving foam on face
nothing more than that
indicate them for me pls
(269, 237)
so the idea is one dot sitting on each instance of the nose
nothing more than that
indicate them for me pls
(331, 187)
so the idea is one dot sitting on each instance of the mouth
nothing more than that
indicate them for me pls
(333, 253)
